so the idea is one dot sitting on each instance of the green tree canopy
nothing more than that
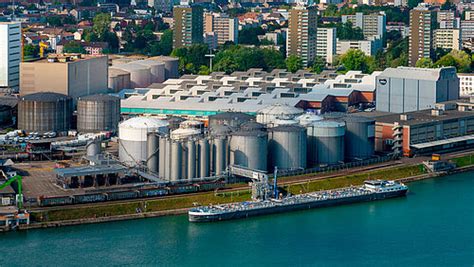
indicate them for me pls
(294, 63)
(355, 59)
(101, 25)
(318, 64)
(30, 51)
(74, 47)
(424, 63)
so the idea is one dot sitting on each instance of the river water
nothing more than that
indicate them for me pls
(432, 226)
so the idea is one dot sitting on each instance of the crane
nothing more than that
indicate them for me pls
(18, 179)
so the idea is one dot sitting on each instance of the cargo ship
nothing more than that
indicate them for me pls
(371, 190)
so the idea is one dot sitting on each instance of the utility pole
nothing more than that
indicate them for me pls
(210, 56)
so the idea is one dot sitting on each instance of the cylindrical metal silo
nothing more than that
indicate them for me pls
(153, 152)
(118, 80)
(220, 154)
(157, 69)
(274, 112)
(93, 148)
(329, 141)
(287, 147)
(204, 158)
(191, 168)
(163, 158)
(184, 133)
(45, 112)
(98, 113)
(249, 149)
(171, 66)
(133, 138)
(140, 75)
(176, 164)
(360, 137)
(168, 159)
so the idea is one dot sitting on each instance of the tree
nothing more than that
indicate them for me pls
(354, 59)
(424, 63)
(294, 63)
(448, 6)
(318, 64)
(459, 59)
(101, 25)
(54, 21)
(346, 31)
(250, 35)
(413, 3)
(31, 51)
(74, 47)
(273, 59)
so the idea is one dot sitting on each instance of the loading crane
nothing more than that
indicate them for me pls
(18, 179)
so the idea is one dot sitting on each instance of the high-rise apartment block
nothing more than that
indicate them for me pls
(421, 34)
(225, 28)
(326, 44)
(447, 39)
(161, 5)
(372, 25)
(188, 25)
(302, 32)
(10, 55)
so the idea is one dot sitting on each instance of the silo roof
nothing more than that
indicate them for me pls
(143, 122)
(99, 97)
(287, 128)
(280, 109)
(328, 124)
(45, 96)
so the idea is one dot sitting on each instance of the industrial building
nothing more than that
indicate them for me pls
(426, 131)
(406, 89)
(72, 75)
(10, 55)
(250, 91)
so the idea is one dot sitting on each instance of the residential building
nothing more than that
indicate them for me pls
(164, 6)
(406, 89)
(369, 47)
(466, 84)
(302, 31)
(10, 55)
(372, 25)
(326, 44)
(450, 24)
(224, 27)
(447, 39)
(421, 34)
(444, 15)
(467, 29)
(210, 38)
(188, 25)
(469, 15)
(69, 75)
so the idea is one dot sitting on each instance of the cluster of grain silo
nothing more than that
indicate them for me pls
(45, 112)
(118, 80)
(249, 146)
(133, 138)
(140, 73)
(98, 113)
(278, 114)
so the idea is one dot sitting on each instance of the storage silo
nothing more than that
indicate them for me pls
(164, 157)
(308, 118)
(184, 133)
(359, 137)
(287, 147)
(45, 112)
(220, 148)
(98, 113)
(176, 161)
(232, 119)
(140, 75)
(153, 142)
(191, 159)
(133, 135)
(328, 141)
(204, 158)
(118, 80)
(171, 66)
(157, 69)
(93, 148)
(248, 147)
(274, 112)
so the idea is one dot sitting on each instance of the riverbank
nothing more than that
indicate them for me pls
(180, 205)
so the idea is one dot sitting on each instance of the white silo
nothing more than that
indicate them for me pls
(140, 75)
(118, 79)
(268, 115)
(157, 69)
(133, 138)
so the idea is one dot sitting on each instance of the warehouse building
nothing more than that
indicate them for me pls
(406, 89)
(248, 92)
(73, 75)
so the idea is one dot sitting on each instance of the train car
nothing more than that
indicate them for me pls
(89, 198)
(54, 201)
(153, 192)
(122, 195)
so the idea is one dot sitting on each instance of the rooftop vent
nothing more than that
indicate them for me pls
(405, 117)
(436, 112)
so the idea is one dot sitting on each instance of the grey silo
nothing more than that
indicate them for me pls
(191, 159)
(98, 113)
(287, 147)
(152, 161)
(45, 112)
(220, 154)
(163, 157)
(204, 158)
(359, 137)
(93, 148)
(248, 147)
(329, 141)
(176, 161)
(171, 66)
(168, 159)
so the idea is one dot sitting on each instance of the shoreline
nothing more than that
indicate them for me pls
(181, 211)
